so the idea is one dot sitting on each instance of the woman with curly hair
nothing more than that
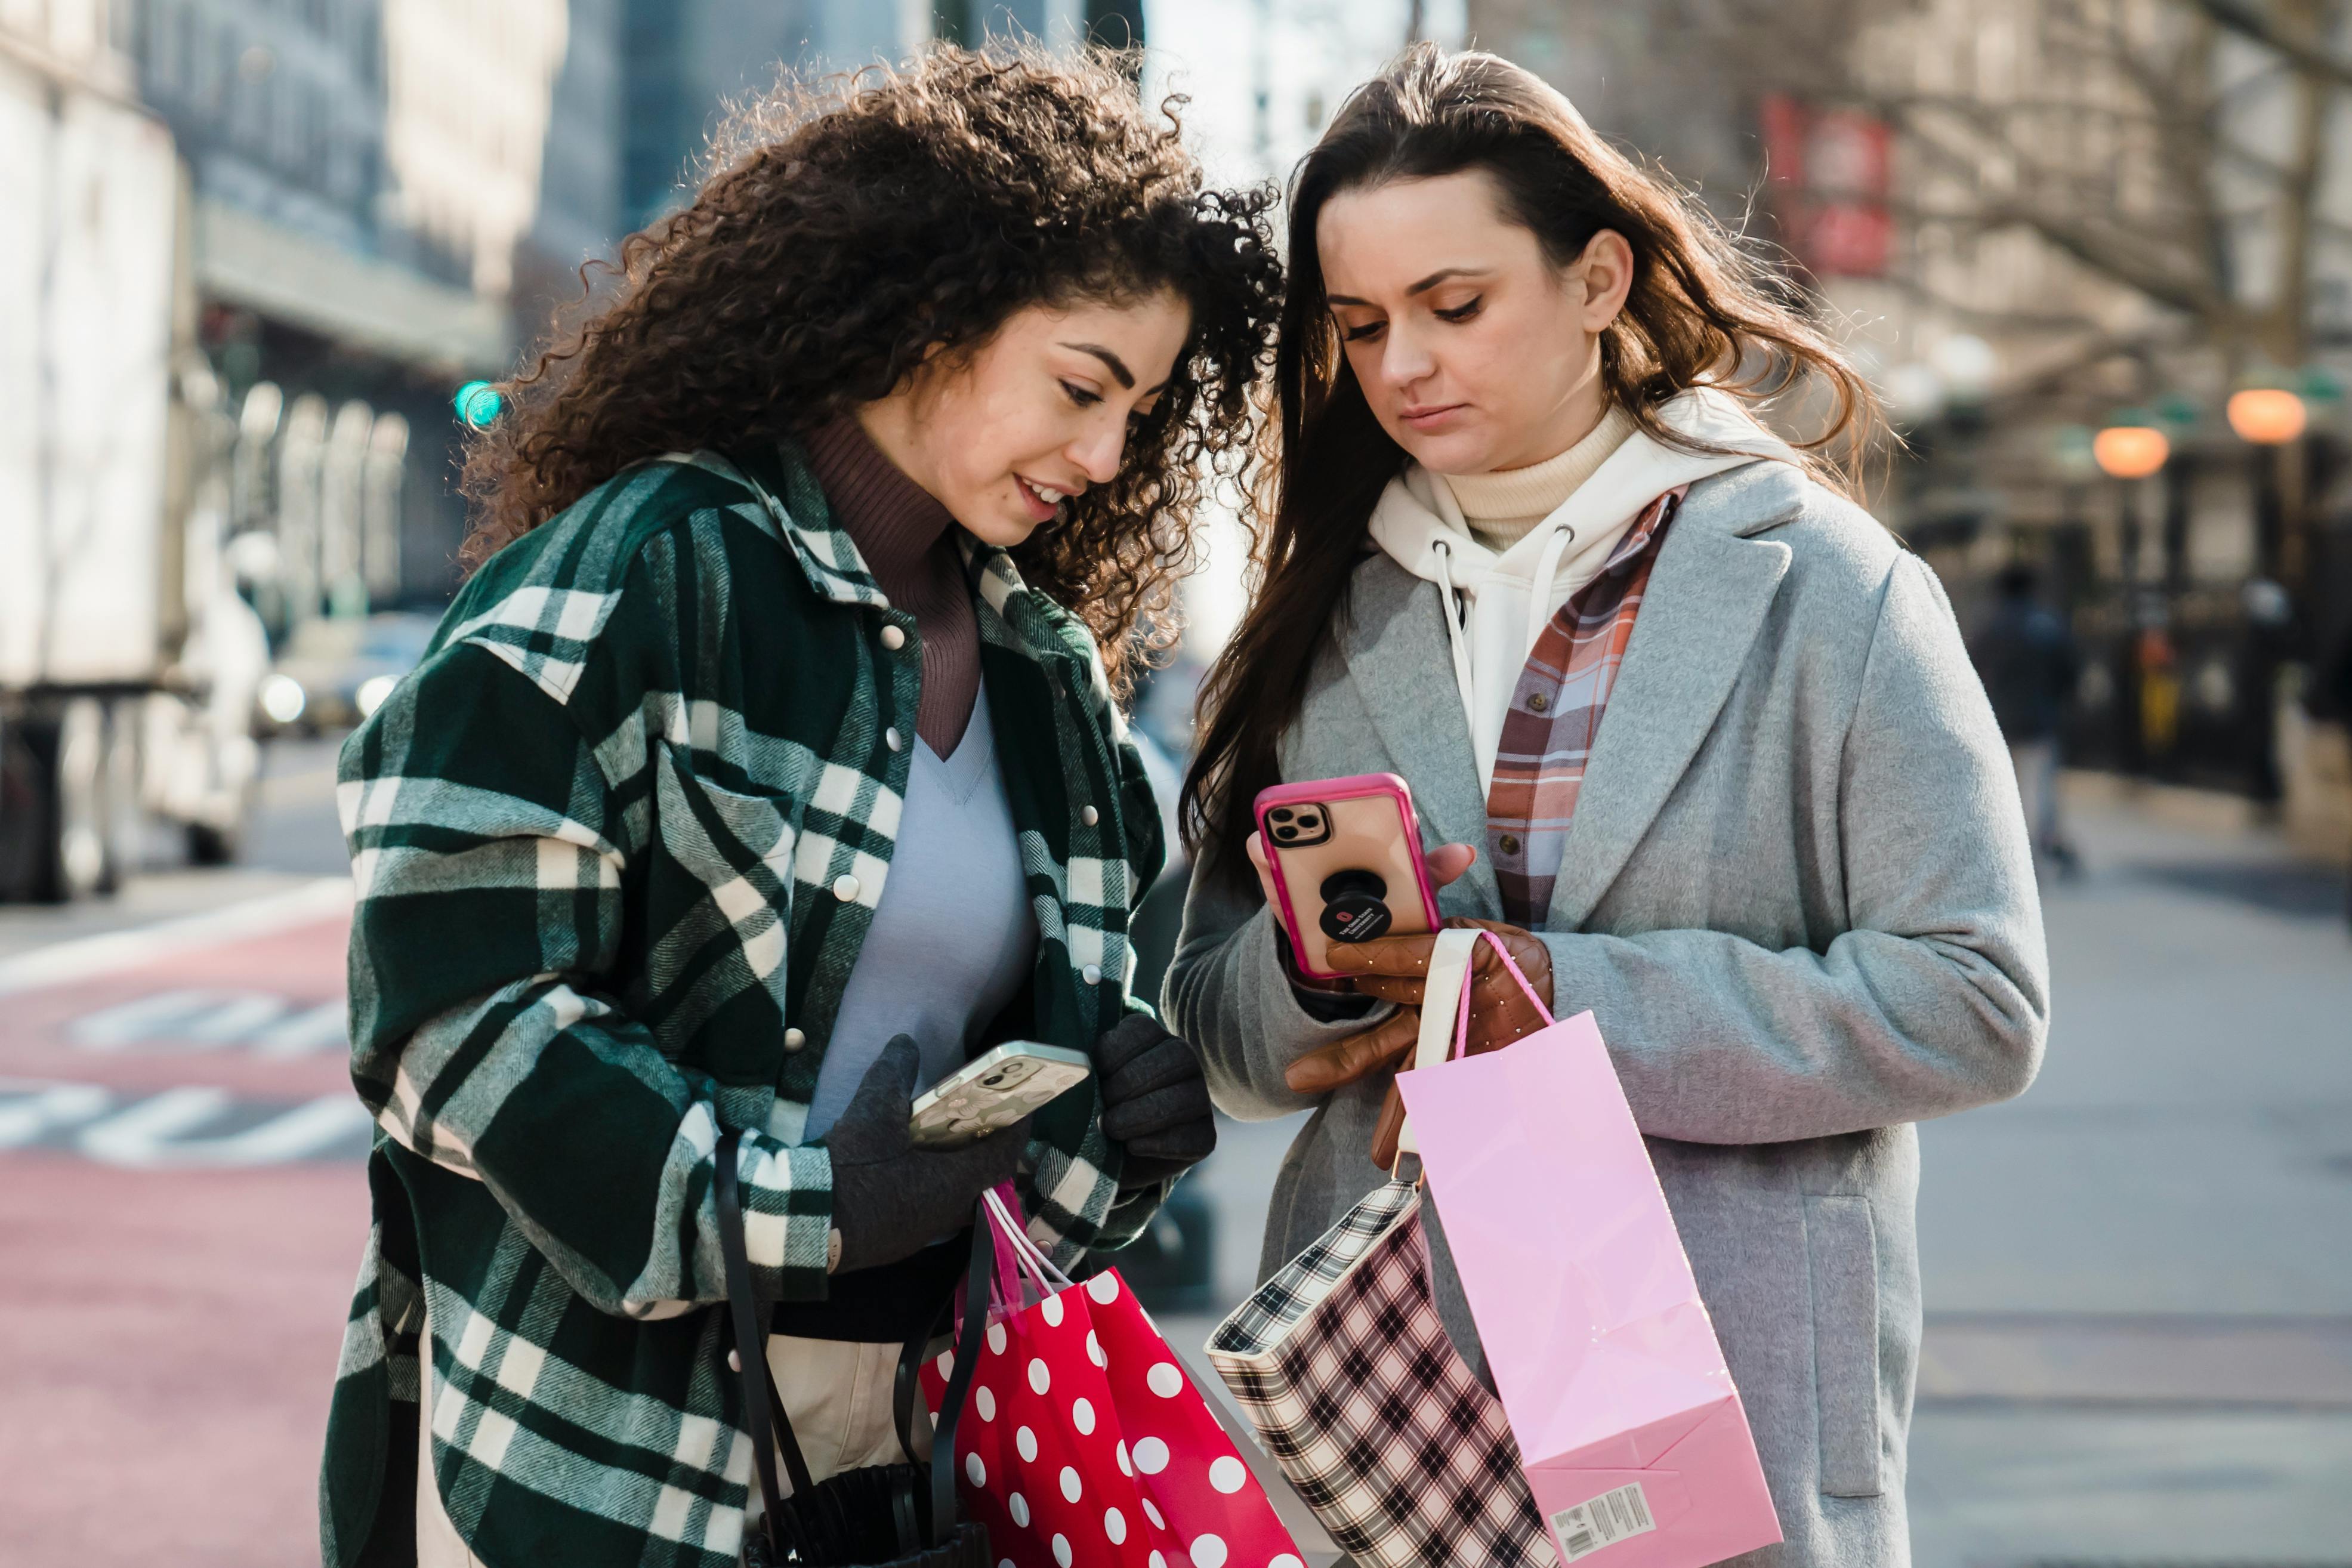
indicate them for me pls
(769, 767)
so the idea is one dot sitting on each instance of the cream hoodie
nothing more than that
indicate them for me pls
(1418, 523)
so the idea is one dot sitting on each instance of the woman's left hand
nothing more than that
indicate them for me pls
(1155, 1101)
(1393, 969)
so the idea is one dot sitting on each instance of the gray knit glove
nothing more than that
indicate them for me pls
(1155, 1101)
(891, 1199)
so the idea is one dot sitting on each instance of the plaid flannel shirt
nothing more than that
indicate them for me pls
(1555, 714)
(629, 821)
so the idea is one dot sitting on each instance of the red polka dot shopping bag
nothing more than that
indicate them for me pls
(1084, 1443)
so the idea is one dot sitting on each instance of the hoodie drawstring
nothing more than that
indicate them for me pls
(1452, 605)
(1540, 606)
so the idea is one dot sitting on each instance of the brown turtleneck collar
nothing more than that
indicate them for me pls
(907, 541)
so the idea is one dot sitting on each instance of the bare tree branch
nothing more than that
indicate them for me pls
(2305, 51)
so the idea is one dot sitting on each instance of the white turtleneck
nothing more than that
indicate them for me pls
(1504, 507)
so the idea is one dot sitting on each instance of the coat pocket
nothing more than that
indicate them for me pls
(1842, 1246)
(724, 893)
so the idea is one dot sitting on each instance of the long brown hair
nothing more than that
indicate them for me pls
(853, 226)
(1701, 314)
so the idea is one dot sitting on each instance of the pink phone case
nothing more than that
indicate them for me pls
(1335, 828)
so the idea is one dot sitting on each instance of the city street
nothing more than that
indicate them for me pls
(2139, 1282)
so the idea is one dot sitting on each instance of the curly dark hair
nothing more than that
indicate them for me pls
(851, 227)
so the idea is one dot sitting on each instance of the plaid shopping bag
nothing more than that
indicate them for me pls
(1341, 1363)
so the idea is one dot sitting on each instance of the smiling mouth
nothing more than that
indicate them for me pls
(1044, 496)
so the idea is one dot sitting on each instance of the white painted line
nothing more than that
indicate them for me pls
(85, 957)
(29, 1109)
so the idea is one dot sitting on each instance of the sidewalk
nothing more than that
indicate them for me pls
(2138, 1276)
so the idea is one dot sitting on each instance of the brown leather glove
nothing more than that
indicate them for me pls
(1393, 969)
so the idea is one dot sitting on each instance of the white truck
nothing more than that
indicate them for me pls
(128, 664)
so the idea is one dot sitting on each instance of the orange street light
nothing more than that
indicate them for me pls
(2130, 451)
(2268, 415)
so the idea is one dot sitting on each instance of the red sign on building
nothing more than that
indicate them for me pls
(1831, 170)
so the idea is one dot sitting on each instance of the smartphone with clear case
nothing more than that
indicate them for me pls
(993, 1091)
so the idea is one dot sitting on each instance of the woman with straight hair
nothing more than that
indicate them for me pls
(769, 769)
(1684, 726)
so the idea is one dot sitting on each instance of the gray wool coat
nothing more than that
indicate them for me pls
(1796, 896)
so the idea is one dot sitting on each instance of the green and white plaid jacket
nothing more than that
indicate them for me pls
(628, 822)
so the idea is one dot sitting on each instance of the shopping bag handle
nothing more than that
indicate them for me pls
(1018, 1261)
(1035, 1264)
(1511, 967)
(1450, 965)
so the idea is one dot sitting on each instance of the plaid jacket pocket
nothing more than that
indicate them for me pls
(1341, 1363)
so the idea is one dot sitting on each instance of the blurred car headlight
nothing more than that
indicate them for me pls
(372, 693)
(283, 699)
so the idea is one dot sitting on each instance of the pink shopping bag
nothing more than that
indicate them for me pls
(1632, 1438)
(1084, 1442)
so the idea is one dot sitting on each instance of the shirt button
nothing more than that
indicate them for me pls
(1510, 842)
(891, 739)
(794, 1039)
(893, 638)
(1089, 815)
(845, 888)
(1091, 975)
(1538, 702)
(734, 1361)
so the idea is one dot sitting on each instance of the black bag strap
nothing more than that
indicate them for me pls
(751, 1345)
(764, 1417)
(979, 1279)
(906, 1387)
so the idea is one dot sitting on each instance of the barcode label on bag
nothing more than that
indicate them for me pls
(1605, 1520)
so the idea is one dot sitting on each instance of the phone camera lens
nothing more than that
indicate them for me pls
(992, 1080)
(1285, 835)
(1310, 823)
(1279, 814)
(1355, 906)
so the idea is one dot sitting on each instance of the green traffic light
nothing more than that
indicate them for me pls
(477, 402)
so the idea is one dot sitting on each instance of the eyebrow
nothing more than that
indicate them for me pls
(1424, 286)
(1112, 362)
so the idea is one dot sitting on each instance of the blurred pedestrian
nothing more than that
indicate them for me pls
(2336, 684)
(1732, 784)
(2026, 657)
(767, 770)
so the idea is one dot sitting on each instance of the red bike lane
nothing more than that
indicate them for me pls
(182, 1213)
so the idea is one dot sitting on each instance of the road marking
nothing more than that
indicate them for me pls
(28, 1112)
(87, 957)
(190, 1017)
(171, 1129)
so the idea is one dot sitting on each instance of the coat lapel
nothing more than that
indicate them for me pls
(1398, 658)
(1704, 605)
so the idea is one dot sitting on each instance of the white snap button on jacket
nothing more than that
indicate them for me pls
(891, 739)
(794, 1039)
(1091, 975)
(1089, 815)
(845, 888)
(893, 638)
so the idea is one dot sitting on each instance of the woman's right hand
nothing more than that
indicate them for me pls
(890, 1198)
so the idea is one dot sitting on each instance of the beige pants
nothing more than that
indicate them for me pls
(839, 1395)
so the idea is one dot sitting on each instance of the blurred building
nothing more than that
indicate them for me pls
(366, 180)
(688, 59)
